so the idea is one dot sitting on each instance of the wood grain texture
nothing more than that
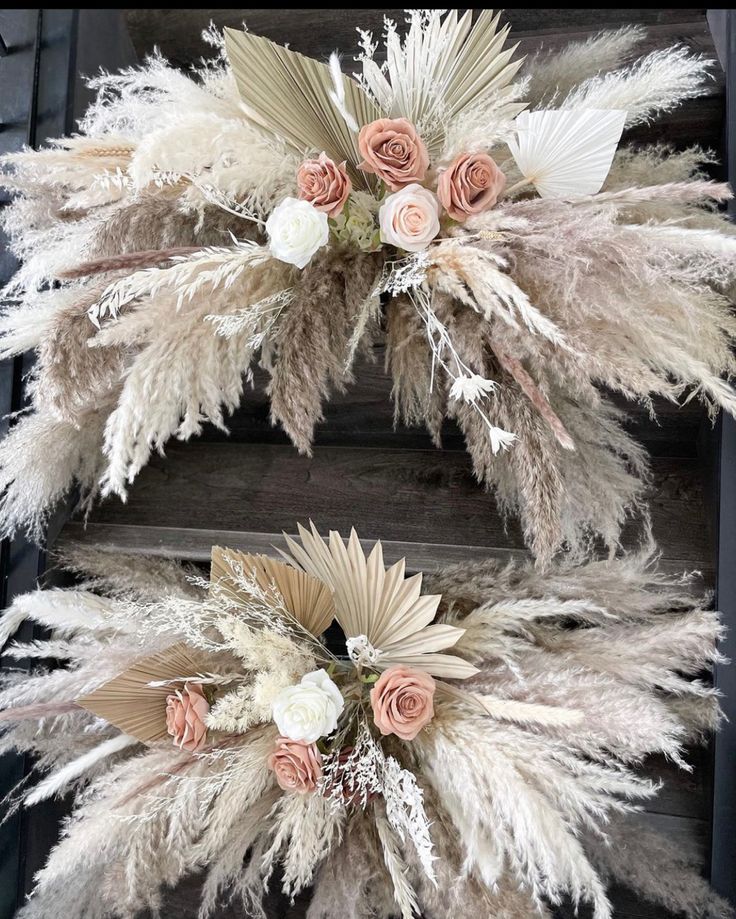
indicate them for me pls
(426, 497)
(318, 32)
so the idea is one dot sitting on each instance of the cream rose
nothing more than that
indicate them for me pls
(325, 184)
(310, 709)
(297, 766)
(410, 218)
(296, 230)
(186, 710)
(470, 184)
(403, 701)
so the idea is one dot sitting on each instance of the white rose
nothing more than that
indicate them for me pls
(296, 230)
(410, 218)
(310, 709)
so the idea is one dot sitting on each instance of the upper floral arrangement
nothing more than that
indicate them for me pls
(480, 214)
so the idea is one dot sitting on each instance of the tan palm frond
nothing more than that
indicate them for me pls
(380, 604)
(307, 599)
(288, 94)
(131, 703)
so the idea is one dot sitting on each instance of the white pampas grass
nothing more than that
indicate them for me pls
(553, 74)
(657, 83)
(31, 489)
(59, 781)
(404, 895)
(64, 611)
(207, 270)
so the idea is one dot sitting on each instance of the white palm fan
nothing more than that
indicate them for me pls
(567, 152)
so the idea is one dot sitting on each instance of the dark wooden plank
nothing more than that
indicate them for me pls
(683, 794)
(103, 40)
(723, 847)
(192, 544)
(319, 31)
(419, 496)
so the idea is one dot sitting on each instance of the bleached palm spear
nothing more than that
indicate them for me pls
(441, 67)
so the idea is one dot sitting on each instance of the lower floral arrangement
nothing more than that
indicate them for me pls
(321, 721)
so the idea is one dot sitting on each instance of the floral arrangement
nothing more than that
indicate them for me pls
(482, 215)
(322, 721)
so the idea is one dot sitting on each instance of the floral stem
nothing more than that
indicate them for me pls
(517, 186)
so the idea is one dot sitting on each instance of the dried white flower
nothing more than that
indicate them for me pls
(365, 772)
(470, 388)
(296, 230)
(404, 274)
(310, 709)
(361, 651)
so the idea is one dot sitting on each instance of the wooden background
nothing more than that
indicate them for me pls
(242, 490)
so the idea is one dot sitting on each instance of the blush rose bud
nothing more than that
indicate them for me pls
(410, 218)
(392, 150)
(297, 766)
(186, 711)
(403, 701)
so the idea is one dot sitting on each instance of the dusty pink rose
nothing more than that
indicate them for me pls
(325, 184)
(402, 701)
(297, 766)
(470, 184)
(186, 710)
(410, 218)
(392, 149)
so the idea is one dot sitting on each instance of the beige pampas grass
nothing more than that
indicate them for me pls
(553, 74)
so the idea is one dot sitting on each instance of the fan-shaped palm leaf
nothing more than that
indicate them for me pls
(379, 604)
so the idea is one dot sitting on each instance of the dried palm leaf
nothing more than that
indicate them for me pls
(383, 614)
(135, 701)
(306, 598)
(288, 94)
(569, 152)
